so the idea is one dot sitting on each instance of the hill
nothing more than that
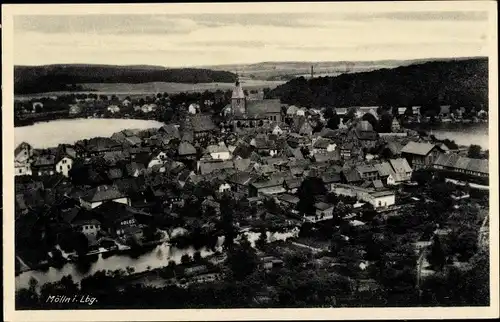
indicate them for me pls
(51, 78)
(461, 81)
(285, 71)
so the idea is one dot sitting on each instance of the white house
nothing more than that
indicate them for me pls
(22, 156)
(277, 130)
(193, 108)
(158, 159)
(378, 199)
(113, 109)
(301, 111)
(224, 187)
(64, 165)
(148, 108)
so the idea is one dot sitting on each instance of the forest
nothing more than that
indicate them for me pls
(50, 78)
(459, 82)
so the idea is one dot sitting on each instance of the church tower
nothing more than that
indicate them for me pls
(238, 100)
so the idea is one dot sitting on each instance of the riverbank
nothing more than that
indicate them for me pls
(53, 133)
(157, 257)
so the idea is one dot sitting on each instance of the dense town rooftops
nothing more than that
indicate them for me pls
(103, 193)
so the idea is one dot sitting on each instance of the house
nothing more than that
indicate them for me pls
(301, 126)
(84, 221)
(270, 262)
(351, 176)
(135, 169)
(444, 111)
(219, 152)
(64, 163)
(44, 164)
(119, 219)
(301, 111)
(458, 164)
(365, 134)
(329, 179)
(95, 197)
(113, 109)
(346, 150)
(367, 172)
(205, 167)
(202, 125)
(288, 200)
(240, 181)
(96, 146)
(193, 108)
(291, 185)
(377, 198)
(23, 154)
(402, 110)
(264, 145)
(322, 145)
(133, 140)
(186, 150)
(327, 156)
(420, 155)
(279, 128)
(75, 109)
(158, 158)
(148, 108)
(395, 126)
(271, 186)
(402, 171)
(324, 211)
(292, 110)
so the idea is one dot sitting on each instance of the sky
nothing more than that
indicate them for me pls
(217, 37)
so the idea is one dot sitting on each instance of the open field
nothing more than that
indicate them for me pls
(142, 89)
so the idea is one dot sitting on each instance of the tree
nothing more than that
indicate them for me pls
(337, 243)
(437, 256)
(242, 259)
(333, 122)
(227, 224)
(185, 259)
(197, 257)
(474, 151)
(262, 241)
(385, 123)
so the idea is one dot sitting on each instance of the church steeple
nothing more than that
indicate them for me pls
(238, 99)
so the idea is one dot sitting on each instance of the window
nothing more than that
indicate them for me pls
(20, 170)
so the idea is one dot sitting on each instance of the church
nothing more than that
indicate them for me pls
(245, 113)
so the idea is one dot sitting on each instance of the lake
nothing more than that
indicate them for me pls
(156, 258)
(462, 134)
(51, 134)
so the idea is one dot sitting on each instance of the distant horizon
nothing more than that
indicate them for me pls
(237, 34)
(258, 63)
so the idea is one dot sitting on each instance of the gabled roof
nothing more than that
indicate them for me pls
(327, 156)
(351, 175)
(462, 163)
(400, 165)
(242, 178)
(186, 148)
(331, 177)
(293, 183)
(242, 164)
(45, 160)
(418, 148)
(170, 130)
(322, 205)
(202, 123)
(133, 140)
(384, 169)
(103, 193)
(261, 107)
(322, 143)
(112, 212)
(211, 166)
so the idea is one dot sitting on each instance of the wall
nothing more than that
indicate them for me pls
(64, 166)
(384, 201)
(221, 155)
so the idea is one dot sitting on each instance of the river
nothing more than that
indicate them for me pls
(156, 258)
(51, 134)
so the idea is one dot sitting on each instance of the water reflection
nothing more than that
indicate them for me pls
(155, 258)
